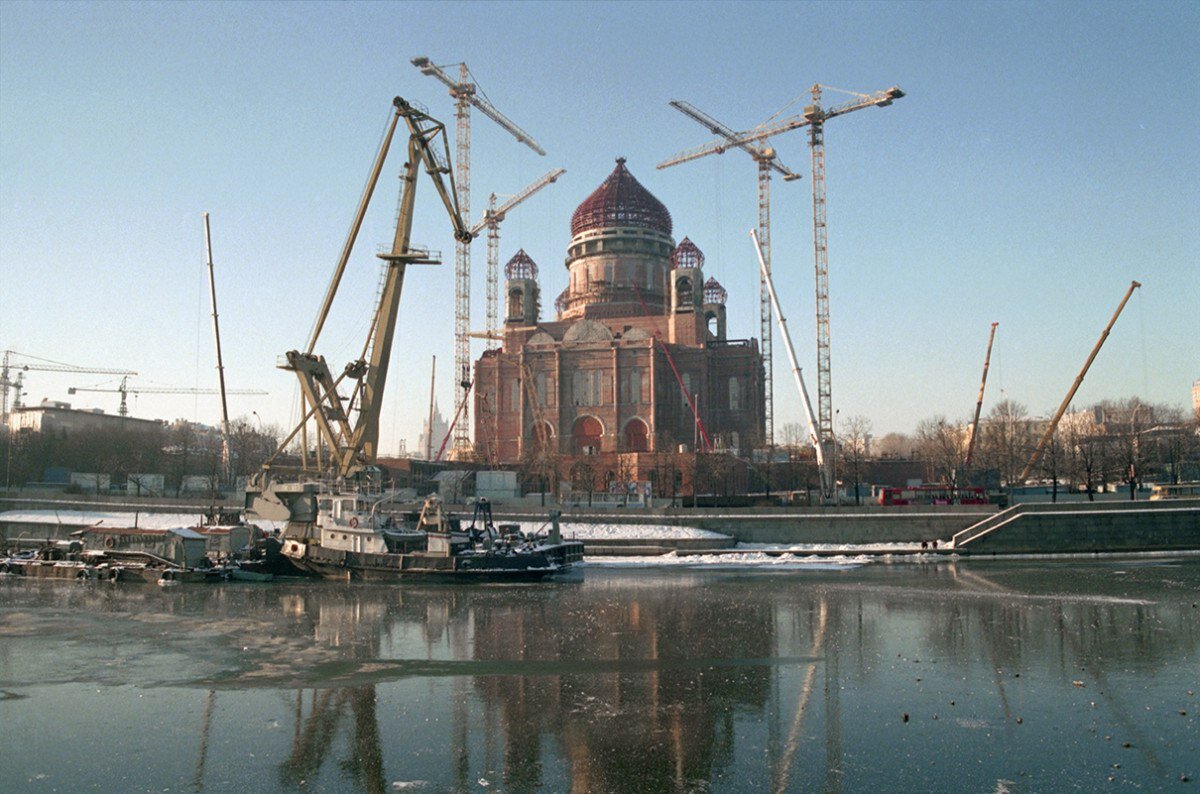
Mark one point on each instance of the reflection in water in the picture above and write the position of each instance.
(1035, 673)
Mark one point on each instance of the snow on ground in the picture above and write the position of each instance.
(785, 562)
(587, 532)
(103, 518)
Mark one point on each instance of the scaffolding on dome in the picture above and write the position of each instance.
(621, 201)
(687, 254)
(521, 266)
(714, 292)
(560, 303)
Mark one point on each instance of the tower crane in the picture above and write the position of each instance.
(124, 389)
(466, 95)
(492, 218)
(813, 117)
(767, 161)
(17, 383)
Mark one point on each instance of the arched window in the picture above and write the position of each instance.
(735, 394)
(637, 436)
(586, 435)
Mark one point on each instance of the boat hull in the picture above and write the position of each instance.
(523, 566)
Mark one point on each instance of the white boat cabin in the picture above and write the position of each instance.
(347, 523)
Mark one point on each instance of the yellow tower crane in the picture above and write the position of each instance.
(466, 95)
(764, 156)
(813, 117)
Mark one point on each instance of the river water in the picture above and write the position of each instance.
(985, 676)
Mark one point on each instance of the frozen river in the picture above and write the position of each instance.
(985, 676)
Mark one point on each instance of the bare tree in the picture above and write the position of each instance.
(940, 446)
(894, 445)
(1007, 440)
(855, 440)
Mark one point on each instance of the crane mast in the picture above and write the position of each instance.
(766, 161)
(354, 445)
(492, 218)
(465, 97)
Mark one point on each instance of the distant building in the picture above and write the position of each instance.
(59, 417)
(1196, 397)
(441, 428)
(637, 349)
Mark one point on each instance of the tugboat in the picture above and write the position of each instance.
(331, 526)
(439, 547)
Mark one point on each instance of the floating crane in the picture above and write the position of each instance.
(492, 218)
(466, 96)
(353, 445)
(987, 358)
(124, 389)
(1037, 453)
(813, 117)
(767, 162)
(17, 384)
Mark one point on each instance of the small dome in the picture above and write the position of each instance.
(588, 331)
(621, 201)
(540, 339)
(520, 266)
(714, 292)
(687, 254)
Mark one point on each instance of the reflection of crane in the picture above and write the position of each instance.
(767, 162)
(354, 445)
(17, 384)
(979, 403)
(124, 389)
(1037, 453)
(465, 96)
(813, 117)
(492, 218)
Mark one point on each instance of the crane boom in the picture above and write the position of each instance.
(464, 90)
(811, 114)
(987, 358)
(729, 134)
(796, 373)
(497, 214)
(1037, 453)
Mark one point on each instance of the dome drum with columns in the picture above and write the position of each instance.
(601, 378)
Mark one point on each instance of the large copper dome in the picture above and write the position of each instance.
(621, 201)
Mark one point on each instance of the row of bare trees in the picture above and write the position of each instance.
(1113, 442)
(177, 451)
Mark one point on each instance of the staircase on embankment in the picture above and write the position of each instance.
(1085, 528)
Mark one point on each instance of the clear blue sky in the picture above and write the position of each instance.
(1045, 156)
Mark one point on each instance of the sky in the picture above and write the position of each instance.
(1043, 158)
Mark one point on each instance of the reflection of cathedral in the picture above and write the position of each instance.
(637, 351)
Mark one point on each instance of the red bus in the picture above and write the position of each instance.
(933, 495)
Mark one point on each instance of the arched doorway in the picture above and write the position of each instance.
(586, 434)
(637, 436)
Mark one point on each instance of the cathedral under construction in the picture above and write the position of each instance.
(636, 361)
